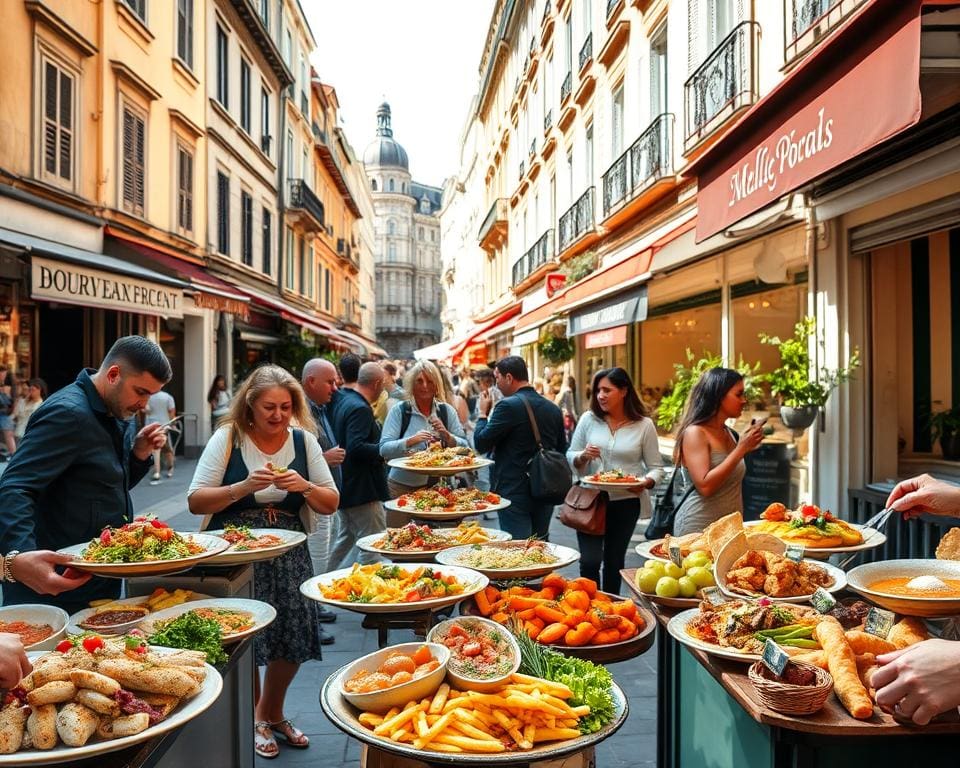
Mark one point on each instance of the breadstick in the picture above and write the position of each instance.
(843, 667)
(907, 632)
(864, 642)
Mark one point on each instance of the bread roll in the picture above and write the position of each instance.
(42, 726)
(76, 724)
(817, 658)
(55, 692)
(95, 682)
(139, 677)
(129, 725)
(102, 705)
(12, 722)
(843, 667)
(908, 631)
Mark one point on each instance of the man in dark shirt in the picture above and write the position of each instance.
(81, 454)
(364, 476)
(509, 435)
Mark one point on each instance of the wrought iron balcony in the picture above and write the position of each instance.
(523, 169)
(566, 87)
(540, 253)
(302, 199)
(319, 134)
(648, 159)
(533, 44)
(494, 227)
(586, 52)
(533, 150)
(548, 121)
(577, 221)
(809, 21)
(611, 4)
(723, 84)
(546, 11)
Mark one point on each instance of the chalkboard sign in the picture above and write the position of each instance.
(767, 479)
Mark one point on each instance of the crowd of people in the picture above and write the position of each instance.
(311, 455)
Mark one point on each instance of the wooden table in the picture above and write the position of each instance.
(708, 715)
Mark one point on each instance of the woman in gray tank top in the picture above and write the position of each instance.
(709, 452)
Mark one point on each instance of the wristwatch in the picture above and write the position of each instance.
(8, 566)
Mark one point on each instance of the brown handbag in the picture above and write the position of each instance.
(585, 510)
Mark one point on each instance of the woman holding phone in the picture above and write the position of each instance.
(710, 453)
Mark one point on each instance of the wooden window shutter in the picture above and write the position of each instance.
(139, 161)
(50, 128)
(693, 35)
(57, 126)
(129, 142)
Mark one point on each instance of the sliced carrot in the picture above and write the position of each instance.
(555, 581)
(492, 593)
(483, 604)
(578, 598)
(522, 603)
(575, 618)
(550, 593)
(605, 637)
(501, 617)
(551, 633)
(531, 629)
(582, 634)
(527, 614)
(626, 608)
(550, 613)
(587, 585)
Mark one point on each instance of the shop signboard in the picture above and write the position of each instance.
(72, 284)
(767, 479)
(609, 337)
(621, 309)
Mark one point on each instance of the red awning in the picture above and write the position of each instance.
(481, 330)
(859, 88)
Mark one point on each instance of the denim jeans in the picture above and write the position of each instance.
(611, 548)
(354, 523)
(526, 517)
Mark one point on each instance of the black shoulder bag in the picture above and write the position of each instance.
(549, 472)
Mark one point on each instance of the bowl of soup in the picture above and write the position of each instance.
(39, 627)
(910, 587)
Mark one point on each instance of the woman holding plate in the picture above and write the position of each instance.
(259, 472)
(615, 433)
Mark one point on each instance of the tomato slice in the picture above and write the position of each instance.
(92, 643)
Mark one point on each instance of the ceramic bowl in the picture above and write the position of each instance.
(38, 614)
(464, 682)
(861, 578)
(398, 695)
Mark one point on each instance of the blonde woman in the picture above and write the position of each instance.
(423, 417)
(237, 482)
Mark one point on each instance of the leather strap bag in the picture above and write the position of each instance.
(549, 472)
(585, 510)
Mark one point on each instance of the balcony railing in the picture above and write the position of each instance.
(533, 149)
(318, 133)
(304, 105)
(523, 169)
(809, 21)
(265, 142)
(302, 197)
(548, 121)
(611, 4)
(539, 254)
(497, 215)
(533, 44)
(586, 52)
(546, 11)
(648, 159)
(577, 221)
(723, 84)
(566, 87)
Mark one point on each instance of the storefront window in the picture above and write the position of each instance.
(774, 312)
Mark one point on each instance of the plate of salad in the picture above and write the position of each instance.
(252, 545)
(144, 547)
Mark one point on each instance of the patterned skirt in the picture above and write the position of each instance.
(294, 635)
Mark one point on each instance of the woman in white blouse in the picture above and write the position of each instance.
(615, 433)
(237, 482)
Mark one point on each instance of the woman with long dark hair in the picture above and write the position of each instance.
(615, 433)
(709, 451)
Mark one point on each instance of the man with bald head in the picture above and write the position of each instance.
(364, 476)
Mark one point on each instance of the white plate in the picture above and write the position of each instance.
(212, 545)
(565, 556)
(838, 576)
(74, 628)
(426, 555)
(871, 538)
(644, 549)
(232, 557)
(478, 463)
(677, 626)
(37, 613)
(426, 514)
(262, 613)
(472, 582)
(610, 486)
(68, 755)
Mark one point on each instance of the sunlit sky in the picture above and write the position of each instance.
(422, 56)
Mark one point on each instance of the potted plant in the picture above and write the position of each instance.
(801, 397)
(555, 347)
(671, 405)
(945, 427)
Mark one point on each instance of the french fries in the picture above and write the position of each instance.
(523, 713)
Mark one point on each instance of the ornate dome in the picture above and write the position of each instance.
(384, 150)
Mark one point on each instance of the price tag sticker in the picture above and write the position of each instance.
(879, 622)
(774, 657)
(822, 600)
(713, 595)
(675, 555)
(794, 552)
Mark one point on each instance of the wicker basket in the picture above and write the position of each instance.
(792, 699)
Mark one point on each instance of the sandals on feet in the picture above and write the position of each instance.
(289, 734)
(264, 743)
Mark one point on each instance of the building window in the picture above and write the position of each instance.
(391, 227)
(267, 241)
(390, 187)
(568, 48)
(588, 157)
(139, 8)
(373, 184)
(57, 125)
(265, 13)
(246, 225)
(302, 259)
(327, 290)
(289, 154)
(288, 48)
(223, 67)
(185, 31)
(245, 95)
(223, 213)
(403, 186)
(289, 270)
(309, 269)
(184, 189)
(424, 206)
(133, 160)
(265, 121)
(392, 252)
(419, 233)
(617, 123)
(658, 73)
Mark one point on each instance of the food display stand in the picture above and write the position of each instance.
(709, 715)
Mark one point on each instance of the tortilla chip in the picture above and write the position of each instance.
(721, 531)
(949, 546)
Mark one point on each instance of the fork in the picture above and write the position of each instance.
(877, 523)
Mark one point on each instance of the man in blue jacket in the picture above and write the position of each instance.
(509, 435)
(78, 460)
(364, 476)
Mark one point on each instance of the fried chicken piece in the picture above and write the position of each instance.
(747, 578)
(779, 583)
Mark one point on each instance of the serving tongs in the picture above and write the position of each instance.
(878, 522)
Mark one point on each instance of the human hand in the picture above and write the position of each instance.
(290, 481)
(751, 438)
(921, 681)
(484, 404)
(423, 436)
(647, 484)
(590, 452)
(36, 570)
(14, 665)
(149, 439)
(258, 480)
(925, 494)
(335, 456)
